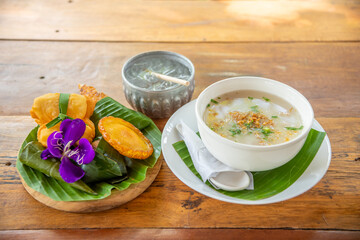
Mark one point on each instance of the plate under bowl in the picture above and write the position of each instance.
(312, 175)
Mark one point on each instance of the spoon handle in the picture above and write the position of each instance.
(170, 79)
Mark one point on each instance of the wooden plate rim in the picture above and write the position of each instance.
(116, 199)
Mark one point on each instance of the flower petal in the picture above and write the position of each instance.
(65, 124)
(72, 130)
(70, 172)
(55, 144)
(46, 154)
(84, 153)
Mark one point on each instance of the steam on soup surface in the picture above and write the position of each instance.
(254, 118)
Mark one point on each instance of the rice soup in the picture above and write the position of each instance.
(253, 117)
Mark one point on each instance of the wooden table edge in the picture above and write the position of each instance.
(179, 233)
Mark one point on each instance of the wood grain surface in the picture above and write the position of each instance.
(325, 73)
(199, 234)
(180, 21)
(313, 46)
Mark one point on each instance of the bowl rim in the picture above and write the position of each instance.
(249, 146)
(143, 54)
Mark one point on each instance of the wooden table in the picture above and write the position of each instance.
(50, 46)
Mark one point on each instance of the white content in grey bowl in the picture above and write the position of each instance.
(139, 72)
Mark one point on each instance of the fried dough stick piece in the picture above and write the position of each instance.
(92, 97)
(46, 107)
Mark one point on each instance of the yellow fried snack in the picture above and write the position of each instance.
(92, 97)
(46, 108)
(89, 133)
(44, 132)
(125, 138)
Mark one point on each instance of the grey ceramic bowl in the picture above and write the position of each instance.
(160, 103)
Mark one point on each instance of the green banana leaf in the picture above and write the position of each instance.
(117, 179)
(55, 189)
(109, 107)
(107, 164)
(30, 156)
(136, 169)
(271, 182)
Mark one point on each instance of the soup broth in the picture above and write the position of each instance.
(252, 117)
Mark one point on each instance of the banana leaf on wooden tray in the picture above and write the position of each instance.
(114, 170)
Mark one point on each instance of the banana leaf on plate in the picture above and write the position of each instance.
(270, 182)
(101, 180)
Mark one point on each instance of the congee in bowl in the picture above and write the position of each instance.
(251, 117)
(253, 123)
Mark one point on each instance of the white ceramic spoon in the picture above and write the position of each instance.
(231, 181)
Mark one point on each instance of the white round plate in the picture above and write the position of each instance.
(306, 181)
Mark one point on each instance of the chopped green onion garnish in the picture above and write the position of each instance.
(251, 98)
(266, 131)
(255, 108)
(235, 131)
(274, 116)
(294, 128)
(266, 99)
(214, 101)
(208, 105)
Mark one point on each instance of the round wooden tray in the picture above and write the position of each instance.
(116, 198)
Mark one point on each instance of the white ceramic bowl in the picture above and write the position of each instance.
(245, 156)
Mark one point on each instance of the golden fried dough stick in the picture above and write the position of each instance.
(46, 108)
(92, 97)
(91, 92)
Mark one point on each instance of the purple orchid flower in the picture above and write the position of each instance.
(60, 145)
